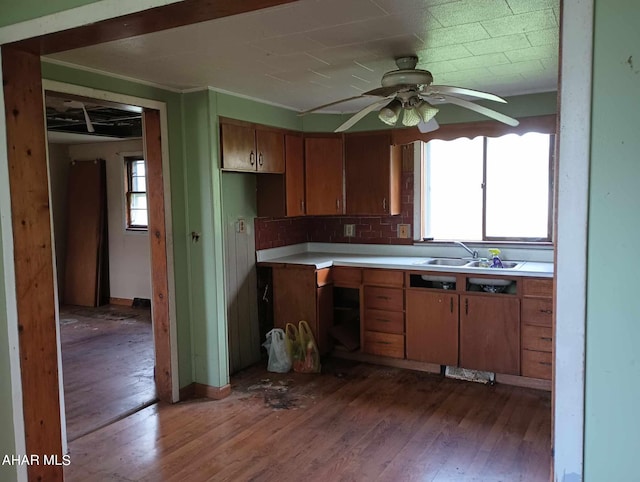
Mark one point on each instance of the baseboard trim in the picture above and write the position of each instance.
(200, 390)
(526, 382)
(120, 301)
(385, 361)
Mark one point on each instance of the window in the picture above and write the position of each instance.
(136, 193)
(488, 188)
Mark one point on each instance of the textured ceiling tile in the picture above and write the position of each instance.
(469, 11)
(335, 12)
(498, 44)
(359, 32)
(439, 68)
(466, 78)
(523, 68)
(550, 63)
(523, 6)
(531, 53)
(454, 35)
(289, 44)
(402, 6)
(480, 61)
(544, 37)
(522, 23)
(449, 52)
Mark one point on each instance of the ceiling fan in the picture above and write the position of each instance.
(407, 92)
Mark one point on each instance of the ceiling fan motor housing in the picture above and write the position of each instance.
(407, 77)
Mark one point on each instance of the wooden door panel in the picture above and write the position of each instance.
(270, 151)
(238, 147)
(294, 175)
(294, 299)
(432, 327)
(324, 175)
(490, 334)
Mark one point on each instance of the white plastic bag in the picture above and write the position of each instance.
(279, 356)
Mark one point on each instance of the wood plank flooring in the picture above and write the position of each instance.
(107, 364)
(354, 422)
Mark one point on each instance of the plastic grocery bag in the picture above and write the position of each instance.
(279, 355)
(304, 351)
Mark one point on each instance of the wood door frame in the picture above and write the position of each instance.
(162, 270)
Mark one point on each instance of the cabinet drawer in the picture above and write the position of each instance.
(384, 321)
(537, 287)
(389, 299)
(324, 277)
(347, 276)
(536, 364)
(537, 338)
(383, 277)
(537, 311)
(384, 344)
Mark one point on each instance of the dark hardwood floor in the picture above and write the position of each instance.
(354, 422)
(107, 364)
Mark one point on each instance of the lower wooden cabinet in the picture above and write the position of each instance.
(537, 328)
(490, 333)
(304, 293)
(384, 344)
(432, 327)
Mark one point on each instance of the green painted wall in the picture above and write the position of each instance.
(7, 442)
(518, 106)
(208, 317)
(18, 11)
(178, 189)
(612, 422)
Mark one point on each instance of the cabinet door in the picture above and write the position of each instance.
(432, 327)
(372, 174)
(238, 147)
(294, 174)
(270, 151)
(490, 334)
(324, 175)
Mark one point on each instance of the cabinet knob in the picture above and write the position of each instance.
(338, 204)
(252, 158)
(260, 159)
(547, 312)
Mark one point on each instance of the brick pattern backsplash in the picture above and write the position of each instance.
(276, 232)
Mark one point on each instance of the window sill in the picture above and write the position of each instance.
(482, 244)
(137, 230)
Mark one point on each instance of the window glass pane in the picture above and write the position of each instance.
(137, 168)
(454, 189)
(518, 186)
(138, 201)
(138, 184)
(139, 217)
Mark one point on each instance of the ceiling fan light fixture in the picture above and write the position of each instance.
(411, 117)
(426, 111)
(390, 113)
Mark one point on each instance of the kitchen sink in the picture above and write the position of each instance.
(505, 264)
(446, 262)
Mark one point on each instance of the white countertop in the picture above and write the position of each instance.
(324, 260)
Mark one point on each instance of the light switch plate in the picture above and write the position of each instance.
(349, 230)
(404, 231)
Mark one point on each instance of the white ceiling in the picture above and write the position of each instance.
(313, 52)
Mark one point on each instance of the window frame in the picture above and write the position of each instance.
(488, 129)
(129, 159)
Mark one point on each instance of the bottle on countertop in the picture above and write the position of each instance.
(495, 255)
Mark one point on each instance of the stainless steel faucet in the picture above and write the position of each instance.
(472, 252)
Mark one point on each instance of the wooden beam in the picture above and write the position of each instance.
(147, 21)
(157, 238)
(33, 256)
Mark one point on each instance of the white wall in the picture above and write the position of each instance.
(129, 258)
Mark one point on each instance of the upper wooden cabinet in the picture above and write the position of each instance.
(248, 147)
(372, 174)
(324, 175)
(294, 175)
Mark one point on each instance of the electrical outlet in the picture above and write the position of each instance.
(241, 226)
(349, 230)
(404, 230)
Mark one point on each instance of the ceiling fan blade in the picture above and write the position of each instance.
(481, 110)
(87, 119)
(360, 114)
(449, 89)
(384, 91)
(320, 107)
(430, 126)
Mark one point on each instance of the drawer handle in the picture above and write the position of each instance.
(546, 338)
(380, 297)
(548, 312)
(383, 343)
(383, 320)
(546, 364)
